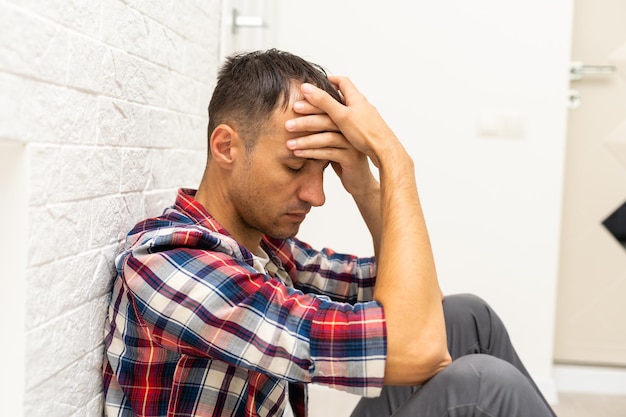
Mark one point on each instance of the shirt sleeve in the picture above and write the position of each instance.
(342, 277)
(209, 304)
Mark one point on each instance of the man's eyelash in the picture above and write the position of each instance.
(301, 167)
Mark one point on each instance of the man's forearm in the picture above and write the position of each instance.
(407, 284)
(369, 204)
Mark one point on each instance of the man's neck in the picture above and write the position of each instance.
(245, 236)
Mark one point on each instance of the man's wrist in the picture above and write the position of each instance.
(367, 190)
(394, 158)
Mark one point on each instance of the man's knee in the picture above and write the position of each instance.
(497, 371)
(470, 383)
(469, 312)
(464, 303)
(484, 372)
(494, 385)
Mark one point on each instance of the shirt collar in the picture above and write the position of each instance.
(186, 203)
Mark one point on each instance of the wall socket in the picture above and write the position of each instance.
(500, 124)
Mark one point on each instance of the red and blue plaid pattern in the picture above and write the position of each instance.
(194, 330)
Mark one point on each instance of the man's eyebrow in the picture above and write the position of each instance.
(292, 157)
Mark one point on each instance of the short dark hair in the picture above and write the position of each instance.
(251, 85)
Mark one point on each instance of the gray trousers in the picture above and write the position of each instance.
(485, 379)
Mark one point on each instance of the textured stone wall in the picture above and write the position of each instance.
(109, 99)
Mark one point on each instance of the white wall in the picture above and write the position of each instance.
(103, 110)
(13, 223)
(477, 93)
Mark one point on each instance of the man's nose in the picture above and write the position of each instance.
(312, 189)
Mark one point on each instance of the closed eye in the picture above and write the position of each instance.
(295, 168)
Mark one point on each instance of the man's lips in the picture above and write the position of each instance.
(297, 215)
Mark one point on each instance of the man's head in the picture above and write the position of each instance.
(253, 184)
(250, 86)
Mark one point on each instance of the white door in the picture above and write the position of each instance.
(477, 93)
(592, 283)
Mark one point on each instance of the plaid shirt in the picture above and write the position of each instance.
(194, 330)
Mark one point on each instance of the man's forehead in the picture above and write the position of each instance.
(284, 111)
(275, 128)
(296, 93)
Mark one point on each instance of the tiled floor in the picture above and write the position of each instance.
(588, 405)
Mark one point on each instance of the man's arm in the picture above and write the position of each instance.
(407, 284)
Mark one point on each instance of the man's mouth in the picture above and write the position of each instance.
(297, 215)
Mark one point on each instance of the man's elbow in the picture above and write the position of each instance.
(415, 368)
(438, 362)
(432, 363)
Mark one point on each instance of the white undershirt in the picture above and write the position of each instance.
(260, 262)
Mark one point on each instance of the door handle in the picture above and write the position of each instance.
(578, 70)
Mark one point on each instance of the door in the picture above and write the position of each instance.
(478, 101)
(592, 281)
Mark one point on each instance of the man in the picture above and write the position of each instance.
(218, 310)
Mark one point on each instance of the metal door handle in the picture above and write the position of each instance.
(578, 70)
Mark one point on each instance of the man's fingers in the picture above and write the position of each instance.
(322, 140)
(321, 99)
(304, 107)
(311, 123)
(345, 86)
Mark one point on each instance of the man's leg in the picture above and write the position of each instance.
(472, 328)
(472, 386)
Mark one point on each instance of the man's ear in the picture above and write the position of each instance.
(224, 144)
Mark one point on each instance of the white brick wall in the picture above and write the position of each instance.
(109, 99)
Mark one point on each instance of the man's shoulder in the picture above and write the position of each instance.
(162, 246)
(175, 230)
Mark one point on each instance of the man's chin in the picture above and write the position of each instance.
(284, 234)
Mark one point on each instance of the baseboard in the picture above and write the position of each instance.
(548, 388)
(590, 379)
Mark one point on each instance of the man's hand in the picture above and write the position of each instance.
(324, 141)
(357, 119)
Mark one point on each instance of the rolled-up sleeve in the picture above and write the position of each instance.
(348, 347)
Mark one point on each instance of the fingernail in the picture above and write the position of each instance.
(291, 143)
(290, 124)
(298, 105)
(307, 88)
